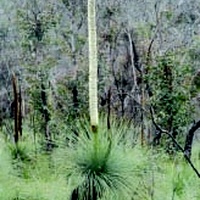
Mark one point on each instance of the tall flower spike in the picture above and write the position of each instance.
(93, 101)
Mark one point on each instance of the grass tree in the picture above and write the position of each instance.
(103, 172)
(94, 158)
(93, 101)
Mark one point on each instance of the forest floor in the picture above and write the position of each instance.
(30, 173)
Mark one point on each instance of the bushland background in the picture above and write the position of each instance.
(148, 83)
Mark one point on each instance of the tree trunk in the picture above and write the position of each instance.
(17, 110)
(189, 139)
(47, 117)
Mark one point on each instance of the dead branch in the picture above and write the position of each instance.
(160, 131)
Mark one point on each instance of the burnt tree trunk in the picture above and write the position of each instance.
(20, 111)
(189, 139)
(17, 105)
(75, 101)
(87, 191)
(109, 108)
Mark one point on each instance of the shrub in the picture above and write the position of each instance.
(99, 164)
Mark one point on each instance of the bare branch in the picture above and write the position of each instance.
(158, 128)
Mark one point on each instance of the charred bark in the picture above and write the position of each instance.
(109, 108)
(75, 100)
(20, 112)
(136, 58)
(87, 191)
(17, 108)
(189, 139)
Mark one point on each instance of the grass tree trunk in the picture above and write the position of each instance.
(93, 100)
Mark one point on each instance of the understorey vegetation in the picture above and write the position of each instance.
(99, 100)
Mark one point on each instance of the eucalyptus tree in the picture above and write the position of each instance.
(35, 20)
(9, 63)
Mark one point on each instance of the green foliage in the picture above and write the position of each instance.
(22, 156)
(26, 175)
(126, 171)
(40, 36)
(170, 84)
(35, 23)
(39, 93)
(69, 106)
(97, 165)
(195, 85)
(19, 152)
